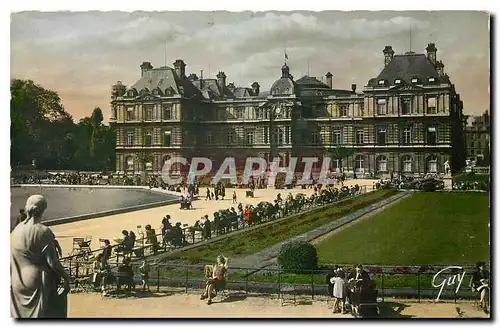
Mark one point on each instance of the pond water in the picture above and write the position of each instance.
(66, 202)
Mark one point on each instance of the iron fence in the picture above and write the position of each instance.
(414, 282)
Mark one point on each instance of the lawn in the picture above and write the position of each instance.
(426, 228)
(261, 238)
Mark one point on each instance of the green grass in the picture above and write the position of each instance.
(251, 242)
(427, 228)
(471, 178)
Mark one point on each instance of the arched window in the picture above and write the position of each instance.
(382, 164)
(432, 164)
(129, 163)
(406, 163)
(149, 166)
(359, 163)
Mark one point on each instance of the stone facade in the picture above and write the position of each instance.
(404, 121)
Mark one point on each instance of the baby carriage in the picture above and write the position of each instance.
(362, 299)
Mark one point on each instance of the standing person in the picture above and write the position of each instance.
(339, 291)
(207, 228)
(35, 268)
(144, 271)
(234, 197)
(106, 252)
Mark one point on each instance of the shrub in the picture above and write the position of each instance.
(296, 257)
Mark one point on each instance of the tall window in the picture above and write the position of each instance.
(287, 135)
(382, 164)
(406, 137)
(168, 112)
(231, 137)
(130, 114)
(278, 136)
(406, 106)
(343, 110)
(431, 135)
(249, 137)
(129, 163)
(239, 113)
(266, 135)
(148, 139)
(208, 139)
(167, 139)
(260, 113)
(130, 138)
(336, 165)
(431, 105)
(359, 163)
(432, 164)
(361, 109)
(381, 136)
(337, 137)
(381, 107)
(315, 139)
(406, 163)
(148, 112)
(114, 113)
(360, 136)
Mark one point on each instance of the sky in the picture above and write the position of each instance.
(80, 55)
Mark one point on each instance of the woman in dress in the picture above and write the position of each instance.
(216, 278)
(35, 267)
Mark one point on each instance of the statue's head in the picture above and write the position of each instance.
(35, 206)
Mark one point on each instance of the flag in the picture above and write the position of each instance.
(286, 56)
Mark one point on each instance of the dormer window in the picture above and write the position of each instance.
(381, 82)
(415, 80)
(431, 79)
(397, 81)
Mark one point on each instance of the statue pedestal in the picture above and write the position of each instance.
(448, 182)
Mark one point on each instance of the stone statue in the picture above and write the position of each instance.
(446, 168)
(35, 268)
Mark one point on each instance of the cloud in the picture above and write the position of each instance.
(89, 51)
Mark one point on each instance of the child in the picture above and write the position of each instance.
(339, 291)
(144, 271)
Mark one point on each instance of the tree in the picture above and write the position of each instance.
(96, 120)
(339, 153)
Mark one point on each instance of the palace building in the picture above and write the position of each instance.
(408, 120)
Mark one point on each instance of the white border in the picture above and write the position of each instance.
(208, 5)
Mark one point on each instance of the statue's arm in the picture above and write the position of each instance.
(52, 259)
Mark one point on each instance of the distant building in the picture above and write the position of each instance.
(477, 136)
(407, 120)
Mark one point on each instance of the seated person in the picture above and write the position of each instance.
(125, 276)
(216, 278)
(480, 283)
(125, 241)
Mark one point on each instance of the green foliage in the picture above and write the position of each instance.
(341, 152)
(41, 130)
(297, 257)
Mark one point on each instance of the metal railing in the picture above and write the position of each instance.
(414, 282)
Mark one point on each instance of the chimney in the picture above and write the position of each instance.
(255, 88)
(193, 77)
(221, 81)
(353, 87)
(329, 79)
(180, 68)
(146, 66)
(231, 86)
(388, 55)
(440, 68)
(431, 52)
